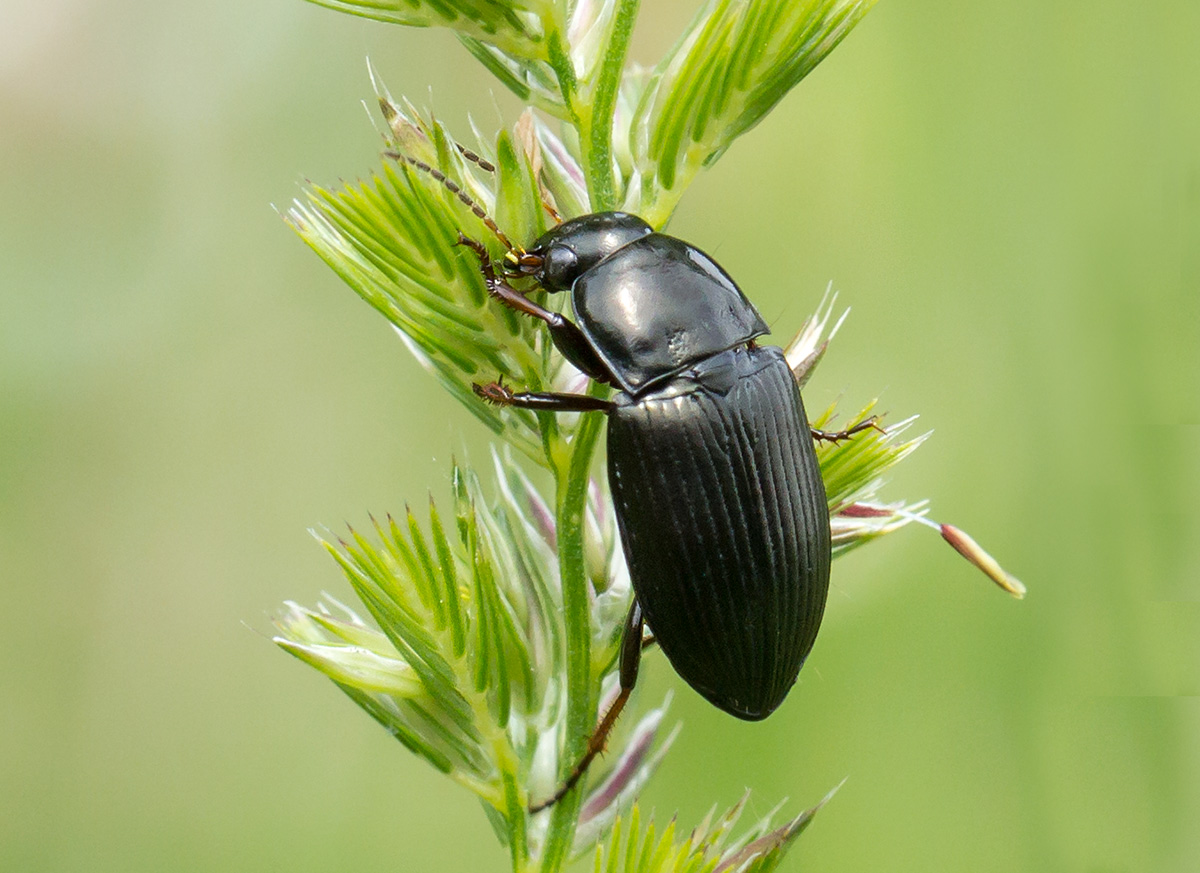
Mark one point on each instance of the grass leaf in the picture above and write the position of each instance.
(732, 65)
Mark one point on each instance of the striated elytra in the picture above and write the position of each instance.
(724, 523)
(714, 477)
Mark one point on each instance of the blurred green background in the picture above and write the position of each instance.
(1007, 194)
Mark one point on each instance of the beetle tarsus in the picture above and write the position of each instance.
(563, 332)
(501, 290)
(871, 423)
(496, 393)
(596, 743)
(631, 657)
(485, 260)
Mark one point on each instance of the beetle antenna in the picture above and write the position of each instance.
(483, 164)
(456, 189)
(488, 167)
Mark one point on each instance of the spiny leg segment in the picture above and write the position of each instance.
(500, 394)
(631, 656)
(567, 336)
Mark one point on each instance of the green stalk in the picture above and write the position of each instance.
(515, 813)
(581, 707)
(596, 139)
(592, 118)
(564, 71)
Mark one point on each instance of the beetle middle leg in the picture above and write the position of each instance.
(839, 435)
(567, 336)
(501, 395)
(631, 657)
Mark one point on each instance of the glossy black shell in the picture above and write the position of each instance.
(724, 522)
(658, 305)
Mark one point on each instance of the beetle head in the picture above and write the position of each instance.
(568, 251)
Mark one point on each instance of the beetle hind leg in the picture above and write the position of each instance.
(631, 656)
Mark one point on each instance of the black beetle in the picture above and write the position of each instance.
(718, 494)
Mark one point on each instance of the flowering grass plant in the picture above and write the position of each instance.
(488, 632)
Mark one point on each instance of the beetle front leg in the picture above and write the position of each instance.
(567, 336)
(839, 435)
(631, 658)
